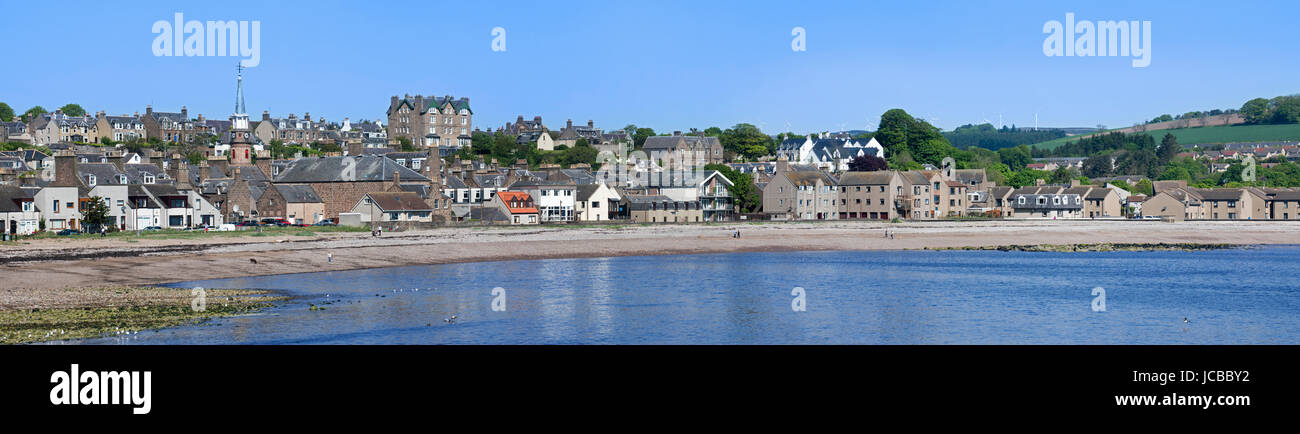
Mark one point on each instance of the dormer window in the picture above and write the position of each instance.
(149, 178)
(90, 180)
(121, 179)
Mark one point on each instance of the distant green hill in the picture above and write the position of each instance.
(1211, 135)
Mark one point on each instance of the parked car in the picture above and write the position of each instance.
(67, 232)
(326, 223)
(248, 223)
(205, 228)
(153, 228)
(226, 228)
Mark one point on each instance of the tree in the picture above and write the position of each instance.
(33, 112)
(96, 214)
(1169, 149)
(1144, 187)
(73, 110)
(405, 144)
(747, 140)
(868, 163)
(1017, 157)
(1256, 111)
(6, 113)
(1286, 109)
(638, 138)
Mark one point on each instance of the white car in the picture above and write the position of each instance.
(226, 228)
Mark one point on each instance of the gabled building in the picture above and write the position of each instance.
(697, 150)
(122, 128)
(379, 207)
(800, 195)
(169, 126)
(594, 202)
(430, 121)
(513, 208)
(870, 195)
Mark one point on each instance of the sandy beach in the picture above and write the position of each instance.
(93, 262)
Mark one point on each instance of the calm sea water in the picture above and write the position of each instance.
(1247, 296)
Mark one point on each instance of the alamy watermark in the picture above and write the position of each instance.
(195, 38)
(1098, 299)
(1101, 38)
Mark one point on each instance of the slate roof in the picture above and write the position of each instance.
(664, 143)
(808, 178)
(331, 169)
(399, 201)
(298, 193)
(879, 177)
(1031, 202)
(10, 197)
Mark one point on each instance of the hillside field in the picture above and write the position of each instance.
(1211, 135)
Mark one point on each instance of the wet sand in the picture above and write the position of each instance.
(59, 263)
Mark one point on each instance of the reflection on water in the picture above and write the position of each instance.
(877, 297)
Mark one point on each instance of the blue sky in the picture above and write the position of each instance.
(668, 65)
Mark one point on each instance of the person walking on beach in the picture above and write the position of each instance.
(329, 257)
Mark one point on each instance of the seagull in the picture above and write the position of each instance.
(1185, 321)
(451, 320)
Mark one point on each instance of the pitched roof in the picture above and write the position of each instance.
(399, 201)
(878, 177)
(513, 198)
(298, 193)
(345, 169)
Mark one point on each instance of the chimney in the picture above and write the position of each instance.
(397, 181)
(538, 119)
(65, 169)
(220, 164)
(433, 170)
(392, 101)
(306, 116)
(591, 123)
(1074, 183)
(568, 125)
(203, 170)
(263, 161)
(115, 156)
(266, 115)
(1039, 182)
(419, 103)
(200, 117)
(148, 110)
(182, 175)
(185, 113)
(677, 133)
(782, 164)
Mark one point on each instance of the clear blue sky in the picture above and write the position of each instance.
(665, 64)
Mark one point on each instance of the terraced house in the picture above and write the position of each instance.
(870, 195)
(119, 128)
(430, 121)
(169, 126)
(291, 129)
(691, 149)
(58, 127)
(800, 195)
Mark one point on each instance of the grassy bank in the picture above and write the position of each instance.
(34, 316)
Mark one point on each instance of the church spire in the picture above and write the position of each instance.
(239, 90)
